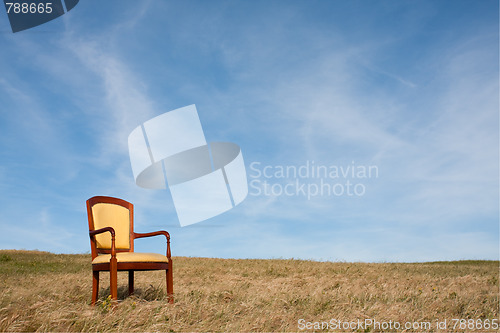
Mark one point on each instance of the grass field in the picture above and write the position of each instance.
(47, 292)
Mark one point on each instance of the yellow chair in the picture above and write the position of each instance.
(111, 231)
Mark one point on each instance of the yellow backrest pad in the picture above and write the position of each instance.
(110, 215)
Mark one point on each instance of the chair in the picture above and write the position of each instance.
(111, 231)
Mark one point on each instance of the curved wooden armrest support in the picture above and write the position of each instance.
(149, 234)
(100, 231)
(92, 233)
(156, 233)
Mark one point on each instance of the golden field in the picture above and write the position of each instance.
(42, 291)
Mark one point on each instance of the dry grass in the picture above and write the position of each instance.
(47, 292)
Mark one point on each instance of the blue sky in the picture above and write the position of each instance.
(409, 87)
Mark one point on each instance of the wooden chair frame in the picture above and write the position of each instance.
(114, 266)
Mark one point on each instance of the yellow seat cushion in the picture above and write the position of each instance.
(130, 257)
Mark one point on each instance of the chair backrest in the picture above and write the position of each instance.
(111, 212)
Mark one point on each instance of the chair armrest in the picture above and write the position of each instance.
(100, 231)
(149, 234)
(92, 233)
(156, 233)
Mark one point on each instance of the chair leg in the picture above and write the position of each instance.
(95, 286)
(113, 279)
(170, 283)
(130, 282)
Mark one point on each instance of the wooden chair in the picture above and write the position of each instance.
(111, 231)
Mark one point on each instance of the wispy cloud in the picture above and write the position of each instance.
(438, 158)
